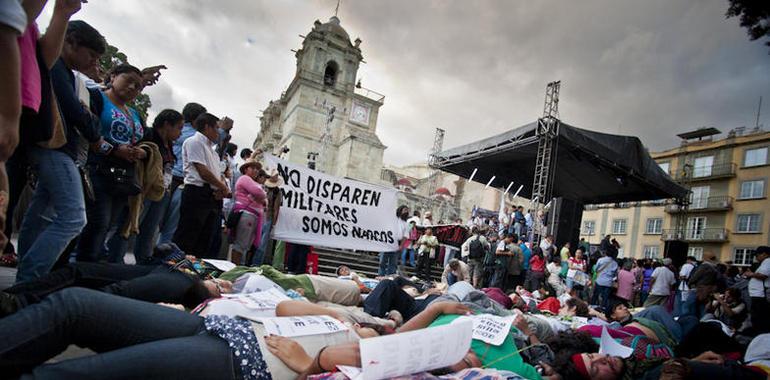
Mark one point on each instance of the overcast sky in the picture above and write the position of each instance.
(649, 68)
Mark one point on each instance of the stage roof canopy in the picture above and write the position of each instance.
(591, 167)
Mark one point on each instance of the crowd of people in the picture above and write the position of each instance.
(99, 179)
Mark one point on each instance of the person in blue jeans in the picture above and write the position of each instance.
(170, 218)
(389, 260)
(165, 129)
(57, 212)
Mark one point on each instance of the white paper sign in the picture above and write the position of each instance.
(610, 347)
(489, 328)
(253, 282)
(302, 326)
(264, 300)
(323, 210)
(415, 351)
(353, 373)
(222, 265)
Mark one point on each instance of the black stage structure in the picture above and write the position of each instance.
(589, 168)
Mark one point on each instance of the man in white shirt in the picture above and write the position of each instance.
(683, 305)
(388, 260)
(204, 189)
(759, 282)
(660, 284)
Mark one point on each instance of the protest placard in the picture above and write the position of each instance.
(415, 351)
(264, 300)
(302, 325)
(323, 210)
(491, 329)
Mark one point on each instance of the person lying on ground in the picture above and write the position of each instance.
(151, 283)
(366, 285)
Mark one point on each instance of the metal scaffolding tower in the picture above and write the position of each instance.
(547, 133)
(438, 145)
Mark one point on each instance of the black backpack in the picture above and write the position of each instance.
(476, 249)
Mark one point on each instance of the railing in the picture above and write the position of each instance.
(719, 203)
(371, 94)
(697, 235)
(700, 173)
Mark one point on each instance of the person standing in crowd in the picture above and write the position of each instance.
(526, 254)
(554, 268)
(264, 252)
(165, 129)
(13, 22)
(245, 155)
(112, 175)
(638, 271)
(577, 263)
(536, 270)
(546, 243)
(388, 260)
(606, 269)
(607, 247)
(428, 220)
(43, 235)
(203, 189)
(514, 264)
(626, 282)
(407, 246)
(168, 225)
(519, 222)
(250, 201)
(661, 282)
(474, 248)
(505, 222)
(455, 271)
(684, 301)
(500, 264)
(428, 245)
(759, 285)
(646, 279)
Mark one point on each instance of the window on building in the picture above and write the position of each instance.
(651, 251)
(589, 227)
(749, 222)
(743, 256)
(752, 189)
(755, 157)
(665, 166)
(654, 226)
(699, 197)
(696, 252)
(695, 227)
(619, 226)
(330, 74)
(702, 166)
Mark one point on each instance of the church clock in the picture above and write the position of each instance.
(360, 113)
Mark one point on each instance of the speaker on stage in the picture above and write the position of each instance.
(564, 217)
(676, 250)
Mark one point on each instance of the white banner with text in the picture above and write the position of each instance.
(323, 210)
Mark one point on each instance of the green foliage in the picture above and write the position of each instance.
(754, 16)
(113, 57)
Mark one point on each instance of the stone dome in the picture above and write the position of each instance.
(333, 27)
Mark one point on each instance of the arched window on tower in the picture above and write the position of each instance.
(330, 74)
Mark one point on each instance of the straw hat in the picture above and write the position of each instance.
(249, 163)
(273, 179)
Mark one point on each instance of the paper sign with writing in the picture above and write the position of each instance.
(264, 300)
(415, 351)
(491, 329)
(303, 325)
(323, 210)
(611, 347)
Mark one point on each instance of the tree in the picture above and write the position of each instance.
(112, 57)
(754, 16)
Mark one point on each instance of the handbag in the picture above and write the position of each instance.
(120, 177)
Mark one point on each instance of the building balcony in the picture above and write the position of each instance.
(710, 204)
(703, 235)
(716, 171)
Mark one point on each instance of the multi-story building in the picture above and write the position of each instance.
(729, 210)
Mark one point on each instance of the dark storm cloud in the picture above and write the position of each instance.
(644, 68)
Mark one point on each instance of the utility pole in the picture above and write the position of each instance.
(545, 166)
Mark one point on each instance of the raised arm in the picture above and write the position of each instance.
(295, 308)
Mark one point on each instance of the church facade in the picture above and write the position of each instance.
(324, 117)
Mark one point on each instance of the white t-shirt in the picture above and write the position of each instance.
(685, 271)
(664, 278)
(757, 287)
(197, 149)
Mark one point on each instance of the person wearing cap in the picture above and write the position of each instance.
(660, 284)
(264, 251)
(250, 202)
(759, 283)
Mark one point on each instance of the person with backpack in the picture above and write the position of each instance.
(474, 249)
